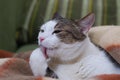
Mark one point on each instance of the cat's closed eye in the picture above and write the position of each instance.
(57, 31)
(41, 30)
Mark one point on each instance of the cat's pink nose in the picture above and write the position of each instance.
(41, 39)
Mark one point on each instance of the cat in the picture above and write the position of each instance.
(67, 50)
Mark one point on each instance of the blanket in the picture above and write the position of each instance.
(16, 67)
(108, 37)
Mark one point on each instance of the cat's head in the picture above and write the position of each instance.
(61, 33)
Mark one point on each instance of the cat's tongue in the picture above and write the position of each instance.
(44, 50)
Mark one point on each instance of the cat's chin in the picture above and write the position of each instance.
(51, 52)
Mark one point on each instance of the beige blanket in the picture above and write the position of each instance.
(108, 37)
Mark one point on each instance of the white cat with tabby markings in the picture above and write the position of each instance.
(68, 51)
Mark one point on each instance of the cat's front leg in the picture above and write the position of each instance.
(38, 63)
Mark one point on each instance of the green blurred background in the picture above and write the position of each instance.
(20, 19)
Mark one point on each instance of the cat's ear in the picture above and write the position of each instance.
(57, 16)
(86, 22)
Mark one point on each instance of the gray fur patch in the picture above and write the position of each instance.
(68, 31)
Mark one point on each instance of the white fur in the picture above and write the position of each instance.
(38, 63)
(91, 61)
(51, 41)
(48, 28)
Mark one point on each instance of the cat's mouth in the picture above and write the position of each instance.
(44, 50)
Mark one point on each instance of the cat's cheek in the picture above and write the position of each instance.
(52, 42)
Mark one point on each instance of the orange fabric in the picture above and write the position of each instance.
(109, 77)
(5, 54)
(17, 69)
(39, 78)
(112, 47)
(23, 55)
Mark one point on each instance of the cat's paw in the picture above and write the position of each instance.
(38, 63)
